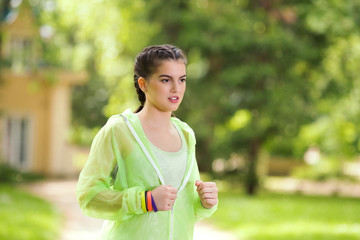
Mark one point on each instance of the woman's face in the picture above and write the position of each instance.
(165, 88)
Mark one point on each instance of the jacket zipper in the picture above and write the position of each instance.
(186, 179)
(171, 223)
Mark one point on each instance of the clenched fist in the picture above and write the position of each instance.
(164, 197)
(208, 193)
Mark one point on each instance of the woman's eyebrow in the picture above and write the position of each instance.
(164, 75)
(168, 76)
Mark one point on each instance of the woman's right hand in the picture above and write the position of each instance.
(164, 197)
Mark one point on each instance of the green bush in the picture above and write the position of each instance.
(10, 174)
(82, 136)
(323, 170)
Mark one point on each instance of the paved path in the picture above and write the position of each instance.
(79, 227)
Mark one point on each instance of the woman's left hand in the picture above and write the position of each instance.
(208, 193)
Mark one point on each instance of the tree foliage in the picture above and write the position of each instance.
(103, 38)
(278, 76)
(335, 84)
(251, 91)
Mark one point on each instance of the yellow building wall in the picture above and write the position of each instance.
(48, 106)
(26, 92)
(19, 96)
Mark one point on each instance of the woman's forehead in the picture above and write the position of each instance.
(171, 68)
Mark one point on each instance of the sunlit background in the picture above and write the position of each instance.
(273, 95)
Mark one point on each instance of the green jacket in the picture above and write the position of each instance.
(118, 199)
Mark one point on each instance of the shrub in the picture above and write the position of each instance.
(10, 174)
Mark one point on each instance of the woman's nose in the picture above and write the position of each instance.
(174, 87)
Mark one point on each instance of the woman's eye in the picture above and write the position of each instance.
(183, 80)
(165, 80)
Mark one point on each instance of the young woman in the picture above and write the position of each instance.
(141, 174)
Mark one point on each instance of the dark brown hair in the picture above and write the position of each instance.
(149, 59)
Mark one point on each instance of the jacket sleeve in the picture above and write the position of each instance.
(200, 211)
(94, 192)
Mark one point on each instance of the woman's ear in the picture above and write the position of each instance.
(142, 83)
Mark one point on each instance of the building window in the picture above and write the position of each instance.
(21, 54)
(16, 141)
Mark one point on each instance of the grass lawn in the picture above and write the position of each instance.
(25, 217)
(288, 217)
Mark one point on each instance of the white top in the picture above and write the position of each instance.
(172, 164)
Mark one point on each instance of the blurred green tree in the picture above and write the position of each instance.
(101, 37)
(259, 71)
(336, 83)
(248, 87)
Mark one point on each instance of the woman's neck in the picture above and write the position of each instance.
(155, 119)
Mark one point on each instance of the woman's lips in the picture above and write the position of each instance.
(174, 99)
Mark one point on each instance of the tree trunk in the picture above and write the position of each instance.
(251, 178)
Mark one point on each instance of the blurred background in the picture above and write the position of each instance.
(273, 95)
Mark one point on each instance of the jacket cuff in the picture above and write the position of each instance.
(201, 212)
